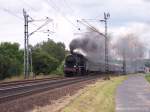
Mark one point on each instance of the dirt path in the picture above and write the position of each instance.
(133, 95)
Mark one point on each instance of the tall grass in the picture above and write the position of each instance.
(147, 76)
(98, 98)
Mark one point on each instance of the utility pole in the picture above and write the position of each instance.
(105, 20)
(124, 63)
(28, 72)
(28, 66)
(31, 68)
(149, 54)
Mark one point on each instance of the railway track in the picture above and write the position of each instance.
(12, 83)
(13, 91)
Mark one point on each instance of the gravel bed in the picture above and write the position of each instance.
(42, 99)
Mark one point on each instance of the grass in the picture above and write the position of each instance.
(99, 97)
(147, 76)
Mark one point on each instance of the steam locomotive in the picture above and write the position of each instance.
(77, 64)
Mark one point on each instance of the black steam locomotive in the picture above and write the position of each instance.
(75, 64)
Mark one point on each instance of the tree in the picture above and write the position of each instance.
(11, 59)
(47, 56)
(43, 62)
(56, 50)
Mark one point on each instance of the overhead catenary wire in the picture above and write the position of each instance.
(27, 4)
(32, 9)
(68, 6)
(85, 23)
(12, 13)
(39, 27)
(54, 6)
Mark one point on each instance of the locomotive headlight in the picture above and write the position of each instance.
(74, 66)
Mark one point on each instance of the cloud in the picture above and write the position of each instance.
(146, 0)
(125, 15)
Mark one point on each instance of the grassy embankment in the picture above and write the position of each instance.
(147, 76)
(99, 97)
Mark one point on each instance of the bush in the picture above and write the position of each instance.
(47, 56)
(10, 60)
(60, 69)
(44, 63)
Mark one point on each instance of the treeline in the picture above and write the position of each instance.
(47, 56)
(11, 60)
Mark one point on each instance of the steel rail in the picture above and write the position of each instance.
(12, 94)
(3, 84)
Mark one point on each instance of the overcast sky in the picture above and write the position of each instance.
(126, 16)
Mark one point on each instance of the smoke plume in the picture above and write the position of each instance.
(130, 49)
(92, 44)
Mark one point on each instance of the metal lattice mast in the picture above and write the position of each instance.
(106, 46)
(25, 43)
(106, 17)
(124, 63)
(28, 66)
(28, 71)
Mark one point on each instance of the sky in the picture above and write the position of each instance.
(125, 16)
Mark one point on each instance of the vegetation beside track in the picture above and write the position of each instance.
(47, 56)
(99, 97)
(59, 71)
(147, 76)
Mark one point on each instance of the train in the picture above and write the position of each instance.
(78, 64)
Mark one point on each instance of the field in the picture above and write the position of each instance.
(99, 97)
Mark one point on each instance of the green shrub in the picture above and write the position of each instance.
(44, 63)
